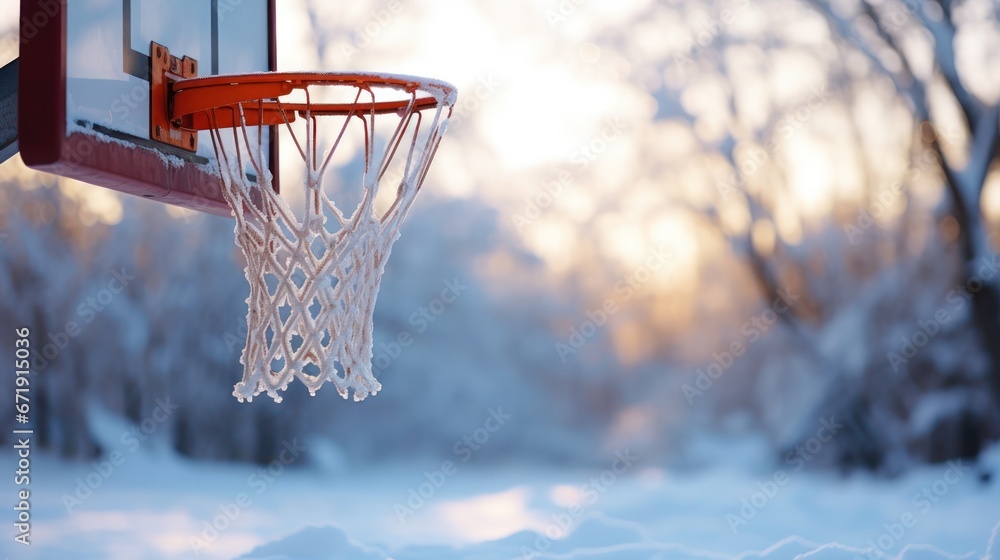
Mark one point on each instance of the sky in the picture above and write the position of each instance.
(548, 88)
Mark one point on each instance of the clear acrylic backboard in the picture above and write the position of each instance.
(84, 89)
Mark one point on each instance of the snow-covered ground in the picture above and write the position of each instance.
(160, 506)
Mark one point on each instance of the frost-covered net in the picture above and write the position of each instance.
(314, 276)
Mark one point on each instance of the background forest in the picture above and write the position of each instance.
(790, 209)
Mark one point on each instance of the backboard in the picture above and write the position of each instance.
(86, 70)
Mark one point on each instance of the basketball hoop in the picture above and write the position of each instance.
(313, 287)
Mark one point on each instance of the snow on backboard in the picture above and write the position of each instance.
(84, 88)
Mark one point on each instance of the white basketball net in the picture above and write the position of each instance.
(313, 288)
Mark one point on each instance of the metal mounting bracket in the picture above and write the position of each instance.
(165, 69)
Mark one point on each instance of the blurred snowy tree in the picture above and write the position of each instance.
(788, 111)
